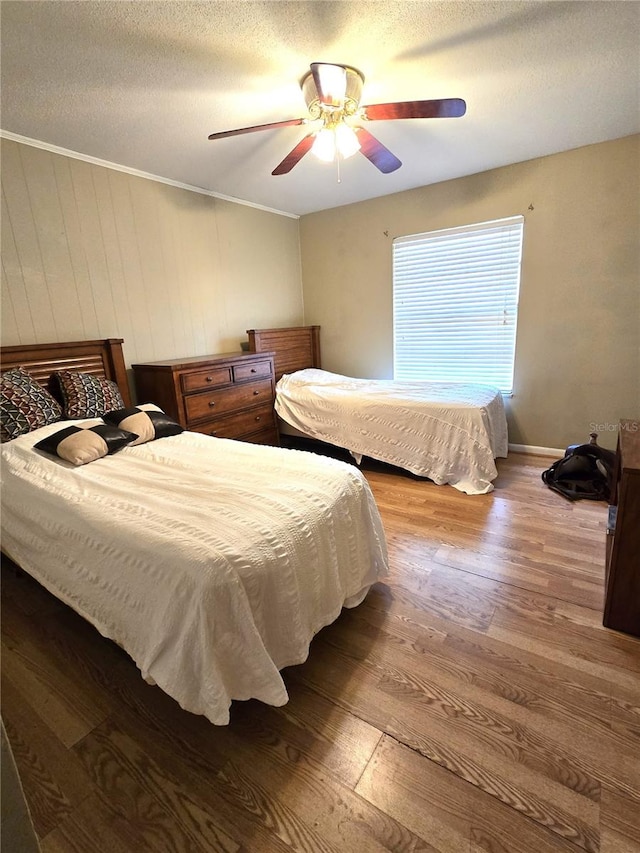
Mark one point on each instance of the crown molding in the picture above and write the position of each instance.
(76, 155)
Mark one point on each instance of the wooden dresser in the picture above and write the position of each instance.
(622, 579)
(228, 396)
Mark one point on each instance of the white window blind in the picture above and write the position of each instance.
(455, 303)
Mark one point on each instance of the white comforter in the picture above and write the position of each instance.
(447, 431)
(211, 562)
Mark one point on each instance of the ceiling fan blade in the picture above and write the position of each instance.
(288, 123)
(295, 155)
(375, 151)
(331, 83)
(443, 108)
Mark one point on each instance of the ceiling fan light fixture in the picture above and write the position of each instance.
(347, 142)
(324, 146)
(332, 141)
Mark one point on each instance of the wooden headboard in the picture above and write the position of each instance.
(295, 348)
(101, 358)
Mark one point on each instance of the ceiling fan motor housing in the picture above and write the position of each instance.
(353, 93)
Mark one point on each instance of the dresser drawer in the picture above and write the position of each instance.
(201, 407)
(254, 370)
(267, 436)
(244, 423)
(202, 379)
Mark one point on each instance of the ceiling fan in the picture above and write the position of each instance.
(332, 94)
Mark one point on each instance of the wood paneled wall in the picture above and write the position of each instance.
(91, 252)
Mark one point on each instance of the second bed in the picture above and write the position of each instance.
(447, 431)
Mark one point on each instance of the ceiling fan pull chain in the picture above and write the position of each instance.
(338, 163)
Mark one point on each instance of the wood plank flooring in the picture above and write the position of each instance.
(472, 704)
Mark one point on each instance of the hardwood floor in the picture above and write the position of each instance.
(473, 702)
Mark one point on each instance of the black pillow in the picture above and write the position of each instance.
(148, 424)
(80, 446)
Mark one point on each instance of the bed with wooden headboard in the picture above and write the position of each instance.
(212, 562)
(448, 432)
(100, 358)
(295, 347)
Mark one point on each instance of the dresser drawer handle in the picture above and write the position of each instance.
(213, 432)
(253, 370)
(211, 404)
(209, 378)
(255, 393)
(257, 417)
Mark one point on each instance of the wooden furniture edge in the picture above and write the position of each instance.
(197, 362)
(621, 611)
(262, 340)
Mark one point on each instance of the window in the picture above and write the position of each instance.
(455, 303)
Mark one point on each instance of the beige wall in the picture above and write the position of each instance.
(578, 341)
(90, 252)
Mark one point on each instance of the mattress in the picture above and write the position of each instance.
(211, 562)
(449, 432)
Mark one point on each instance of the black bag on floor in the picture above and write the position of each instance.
(584, 472)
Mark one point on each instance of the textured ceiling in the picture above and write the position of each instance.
(142, 84)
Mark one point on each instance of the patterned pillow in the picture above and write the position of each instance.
(24, 404)
(87, 396)
(80, 446)
(148, 423)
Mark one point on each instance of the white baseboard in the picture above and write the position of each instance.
(532, 450)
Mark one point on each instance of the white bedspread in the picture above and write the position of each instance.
(211, 562)
(447, 431)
